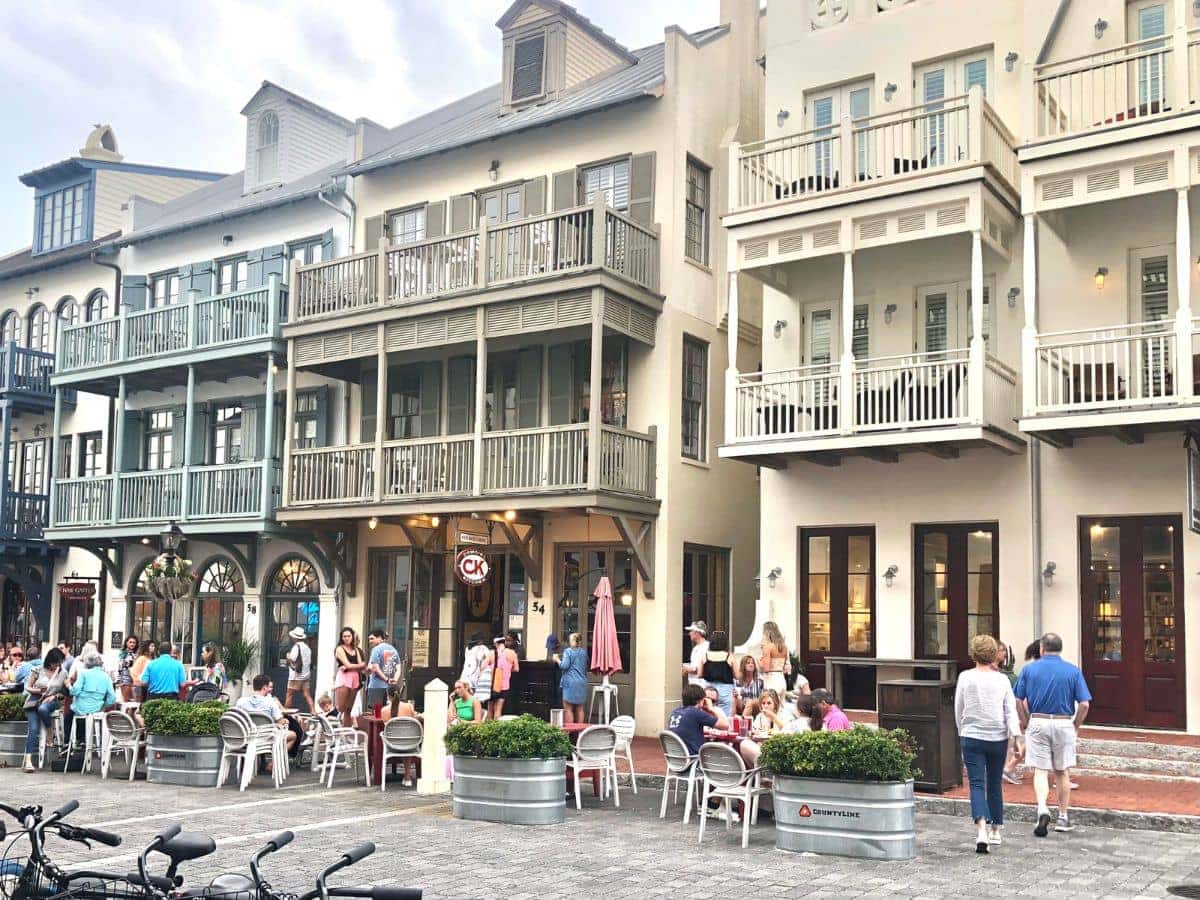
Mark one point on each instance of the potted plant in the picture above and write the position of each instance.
(843, 792)
(183, 742)
(511, 771)
(238, 656)
(169, 577)
(13, 726)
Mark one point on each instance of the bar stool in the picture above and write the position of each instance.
(92, 741)
(601, 695)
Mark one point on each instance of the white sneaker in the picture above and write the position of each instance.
(994, 835)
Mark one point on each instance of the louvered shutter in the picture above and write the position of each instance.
(323, 413)
(462, 213)
(435, 219)
(131, 441)
(460, 395)
(861, 340)
(529, 382)
(201, 278)
(135, 292)
(431, 398)
(562, 384)
(178, 423)
(200, 436)
(528, 58)
(975, 73)
(535, 196)
(565, 187)
(372, 233)
(253, 428)
(366, 426)
(641, 188)
(327, 245)
(265, 262)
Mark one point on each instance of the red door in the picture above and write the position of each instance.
(1131, 608)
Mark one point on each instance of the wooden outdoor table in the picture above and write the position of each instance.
(374, 730)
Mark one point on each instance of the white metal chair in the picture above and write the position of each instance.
(344, 745)
(681, 769)
(724, 776)
(596, 750)
(121, 733)
(241, 743)
(92, 740)
(625, 726)
(268, 728)
(401, 739)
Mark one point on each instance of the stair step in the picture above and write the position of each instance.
(1143, 749)
(1146, 764)
(1083, 771)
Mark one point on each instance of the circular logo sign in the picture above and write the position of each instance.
(471, 567)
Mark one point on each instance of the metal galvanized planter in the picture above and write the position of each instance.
(512, 791)
(12, 743)
(187, 761)
(869, 820)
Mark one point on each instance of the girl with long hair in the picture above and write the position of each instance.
(773, 659)
(349, 665)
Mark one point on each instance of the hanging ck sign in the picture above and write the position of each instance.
(471, 567)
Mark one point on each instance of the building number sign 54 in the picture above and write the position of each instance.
(471, 567)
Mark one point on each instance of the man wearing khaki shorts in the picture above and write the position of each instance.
(1053, 699)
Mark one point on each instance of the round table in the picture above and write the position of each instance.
(374, 730)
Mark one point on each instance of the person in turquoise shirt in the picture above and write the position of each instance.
(91, 688)
(163, 676)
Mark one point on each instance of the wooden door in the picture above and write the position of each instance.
(957, 595)
(1132, 611)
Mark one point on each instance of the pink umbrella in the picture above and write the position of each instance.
(606, 653)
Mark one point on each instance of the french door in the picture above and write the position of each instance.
(824, 112)
(1149, 19)
(942, 138)
(1132, 611)
(837, 612)
(958, 589)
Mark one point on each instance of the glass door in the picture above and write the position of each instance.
(958, 587)
(937, 328)
(1149, 20)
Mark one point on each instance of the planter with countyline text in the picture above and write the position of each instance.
(864, 819)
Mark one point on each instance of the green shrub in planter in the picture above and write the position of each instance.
(857, 754)
(526, 737)
(12, 707)
(179, 719)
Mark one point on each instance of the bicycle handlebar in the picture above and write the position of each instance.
(66, 809)
(280, 841)
(356, 854)
(103, 837)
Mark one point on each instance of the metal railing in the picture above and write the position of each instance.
(493, 255)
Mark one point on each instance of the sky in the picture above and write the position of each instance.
(171, 77)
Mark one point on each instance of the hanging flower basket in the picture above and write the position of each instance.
(169, 577)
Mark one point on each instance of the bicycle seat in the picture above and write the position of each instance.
(187, 845)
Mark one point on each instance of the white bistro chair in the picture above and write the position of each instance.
(243, 742)
(724, 775)
(596, 749)
(121, 734)
(625, 726)
(681, 769)
(268, 728)
(401, 739)
(343, 746)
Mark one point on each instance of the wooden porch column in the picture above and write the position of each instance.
(978, 347)
(731, 327)
(54, 461)
(596, 373)
(189, 424)
(118, 449)
(289, 423)
(480, 397)
(1029, 332)
(1183, 315)
(268, 435)
(381, 394)
(846, 400)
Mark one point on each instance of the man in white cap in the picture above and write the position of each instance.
(698, 632)
(299, 666)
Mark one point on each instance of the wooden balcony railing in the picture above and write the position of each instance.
(891, 146)
(26, 371)
(186, 493)
(163, 333)
(24, 515)
(897, 393)
(528, 461)
(495, 255)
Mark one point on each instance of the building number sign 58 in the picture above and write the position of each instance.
(471, 567)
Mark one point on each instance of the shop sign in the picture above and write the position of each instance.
(471, 567)
(77, 590)
(468, 537)
(420, 648)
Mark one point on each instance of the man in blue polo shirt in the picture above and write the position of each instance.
(1053, 700)
(163, 675)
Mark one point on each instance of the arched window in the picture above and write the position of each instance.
(150, 617)
(98, 306)
(67, 311)
(292, 597)
(219, 591)
(10, 327)
(268, 147)
(39, 328)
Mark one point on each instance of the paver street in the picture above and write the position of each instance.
(599, 852)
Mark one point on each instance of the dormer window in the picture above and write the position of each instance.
(529, 65)
(62, 218)
(268, 148)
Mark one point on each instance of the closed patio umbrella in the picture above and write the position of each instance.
(606, 654)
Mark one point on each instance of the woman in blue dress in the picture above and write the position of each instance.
(573, 663)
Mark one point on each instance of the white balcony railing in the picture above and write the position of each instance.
(896, 145)
(441, 466)
(493, 255)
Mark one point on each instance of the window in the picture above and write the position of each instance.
(513, 397)
(91, 454)
(68, 311)
(404, 389)
(861, 340)
(219, 592)
(705, 590)
(407, 225)
(528, 64)
(98, 306)
(610, 179)
(227, 434)
(160, 427)
(570, 376)
(695, 398)
(10, 328)
(307, 417)
(62, 218)
(695, 241)
(39, 328)
(268, 147)
(62, 467)
(580, 569)
(307, 252)
(231, 274)
(33, 466)
(164, 289)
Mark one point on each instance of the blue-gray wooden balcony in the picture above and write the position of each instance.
(23, 517)
(221, 336)
(25, 378)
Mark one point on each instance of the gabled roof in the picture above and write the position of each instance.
(77, 166)
(291, 96)
(568, 12)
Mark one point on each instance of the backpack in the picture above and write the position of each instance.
(296, 664)
(389, 665)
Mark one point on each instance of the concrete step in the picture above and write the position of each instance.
(1140, 749)
(1150, 765)
(1086, 772)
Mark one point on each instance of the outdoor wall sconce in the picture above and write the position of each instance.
(1048, 574)
(373, 522)
(494, 170)
(1101, 274)
(889, 91)
(1013, 294)
(780, 324)
(888, 312)
(890, 575)
(782, 116)
(773, 576)
(1010, 60)
(227, 239)
(1101, 27)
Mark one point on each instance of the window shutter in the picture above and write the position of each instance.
(201, 278)
(460, 395)
(565, 184)
(861, 339)
(462, 213)
(562, 386)
(641, 188)
(529, 382)
(327, 245)
(263, 263)
(135, 291)
(528, 56)
(535, 196)
(178, 418)
(431, 398)
(131, 448)
(372, 233)
(200, 436)
(253, 428)
(435, 219)
(323, 413)
(366, 426)
(975, 73)
(254, 268)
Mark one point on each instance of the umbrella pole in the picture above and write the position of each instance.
(606, 687)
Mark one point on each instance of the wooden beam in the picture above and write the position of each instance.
(1130, 434)
(529, 551)
(424, 544)
(941, 451)
(1059, 439)
(641, 543)
(880, 454)
(830, 460)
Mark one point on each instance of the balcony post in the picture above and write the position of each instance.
(1029, 105)
(483, 257)
(847, 408)
(974, 124)
(595, 375)
(381, 412)
(652, 475)
(1181, 88)
(294, 283)
(289, 423)
(122, 333)
(1183, 315)
(599, 232)
(978, 348)
(735, 177)
(480, 398)
(268, 435)
(382, 281)
(54, 451)
(273, 288)
(189, 428)
(118, 449)
(1029, 374)
(193, 326)
(731, 327)
(846, 151)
